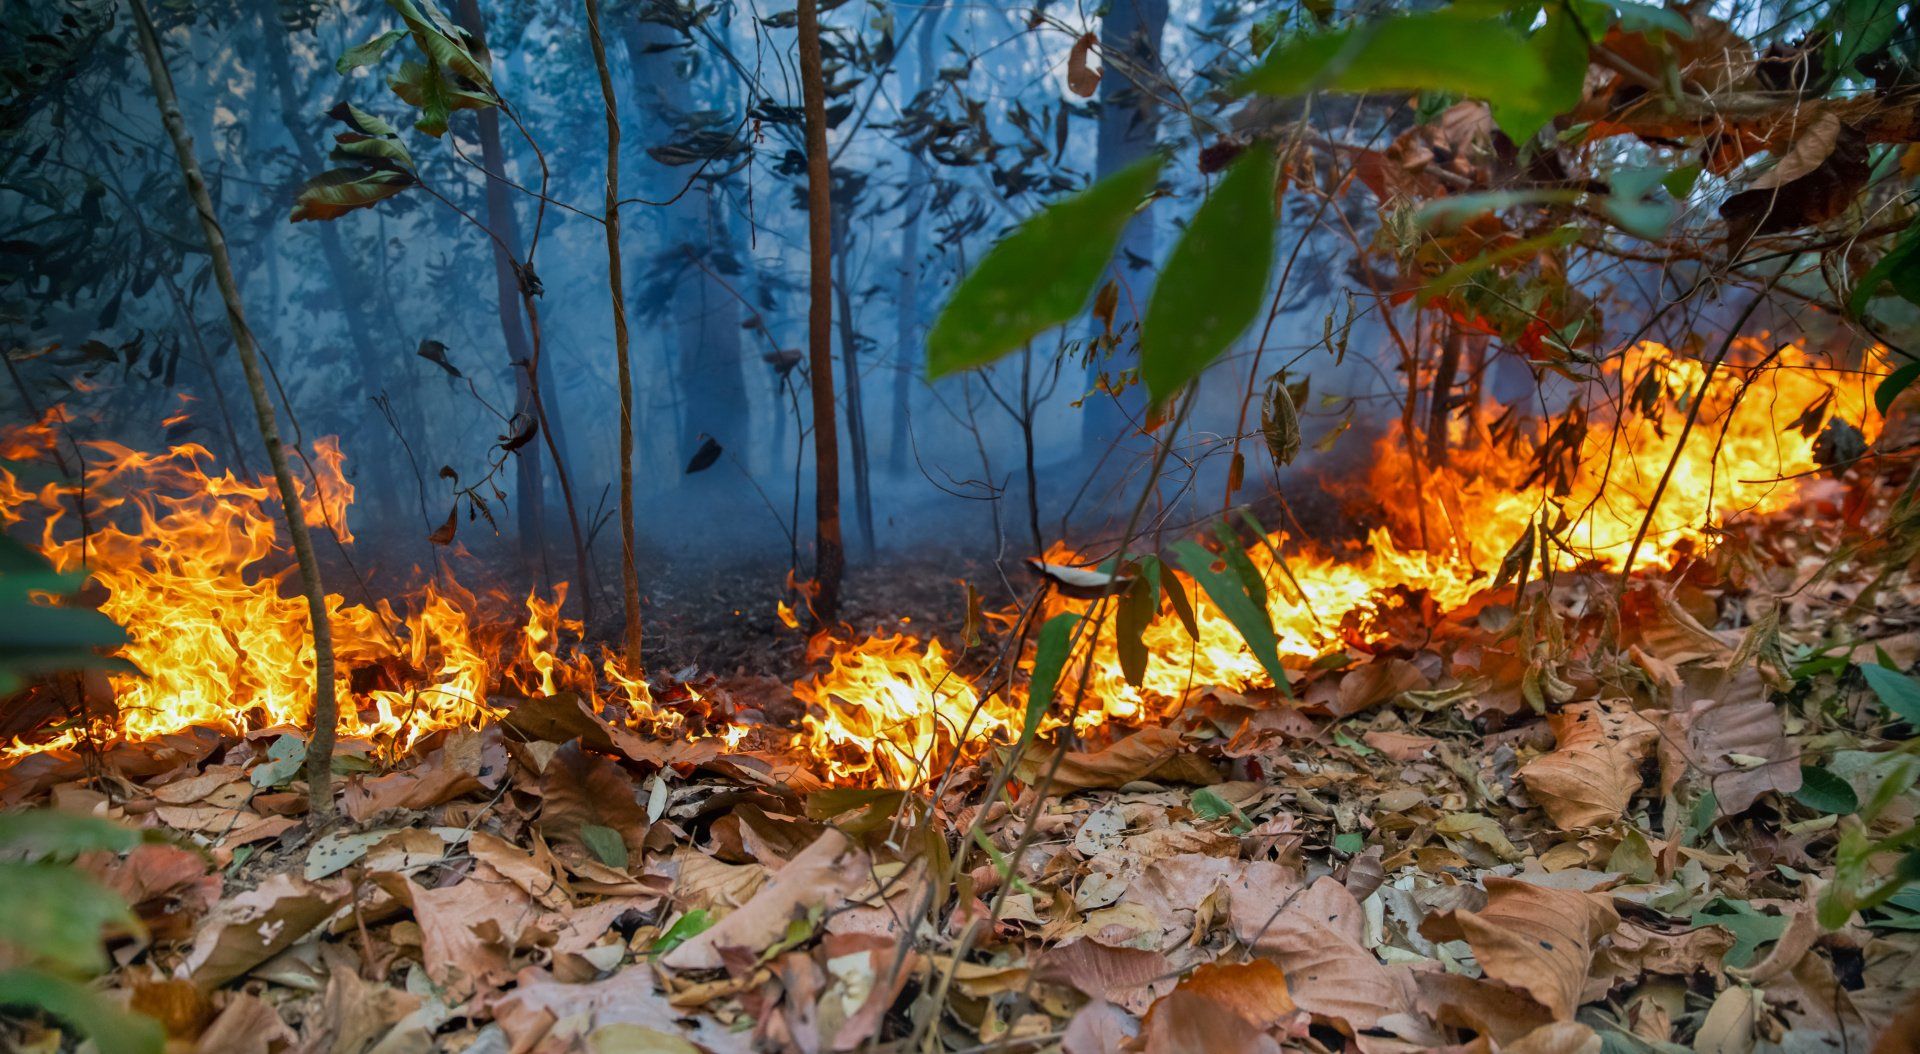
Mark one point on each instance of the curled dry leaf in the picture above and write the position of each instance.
(1536, 939)
(1082, 78)
(1739, 748)
(826, 871)
(1128, 977)
(1155, 753)
(246, 930)
(1594, 770)
(1318, 943)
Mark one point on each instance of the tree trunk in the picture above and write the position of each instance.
(319, 760)
(850, 364)
(1129, 122)
(629, 570)
(529, 476)
(276, 44)
(906, 298)
(829, 551)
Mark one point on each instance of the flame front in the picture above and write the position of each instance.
(191, 562)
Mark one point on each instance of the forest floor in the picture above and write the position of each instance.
(1401, 858)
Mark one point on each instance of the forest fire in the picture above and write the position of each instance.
(189, 560)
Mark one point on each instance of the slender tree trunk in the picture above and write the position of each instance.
(629, 570)
(276, 44)
(529, 474)
(850, 364)
(1440, 398)
(319, 761)
(829, 551)
(1130, 34)
(906, 298)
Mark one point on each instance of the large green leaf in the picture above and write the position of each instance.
(1229, 594)
(112, 1028)
(1561, 48)
(1049, 658)
(333, 194)
(1900, 693)
(443, 43)
(54, 915)
(1038, 277)
(38, 834)
(1215, 279)
(1900, 266)
(1893, 384)
(368, 53)
(428, 89)
(1429, 51)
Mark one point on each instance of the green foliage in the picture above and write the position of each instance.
(1899, 693)
(1038, 277)
(42, 638)
(368, 53)
(605, 844)
(113, 1029)
(1215, 279)
(684, 929)
(1049, 658)
(1230, 594)
(1750, 927)
(52, 918)
(1900, 268)
(1447, 50)
(1822, 791)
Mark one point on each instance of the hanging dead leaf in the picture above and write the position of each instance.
(1280, 421)
(1083, 79)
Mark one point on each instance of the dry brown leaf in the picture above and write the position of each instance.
(1129, 977)
(1186, 1022)
(1739, 748)
(1155, 753)
(467, 761)
(246, 930)
(826, 871)
(356, 1013)
(544, 1016)
(1560, 1037)
(246, 1025)
(1082, 79)
(1486, 1007)
(534, 875)
(1591, 775)
(467, 930)
(1255, 991)
(583, 790)
(1318, 942)
(1730, 1021)
(1810, 148)
(1536, 939)
(1099, 1028)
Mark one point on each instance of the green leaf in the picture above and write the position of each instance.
(333, 194)
(1629, 206)
(1822, 791)
(1750, 927)
(1900, 265)
(1176, 596)
(1230, 596)
(1899, 693)
(1437, 50)
(428, 89)
(41, 834)
(1680, 181)
(1893, 384)
(684, 929)
(1451, 213)
(1461, 273)
(1645, 18)
(1351, 842)
(605, 844)
(1561, 49)
(1138, 605)
(1038, 277)
(442, 42)
(368, 53)
(112, 1028)
(55, 915)
(1215, 280)
(1049, 658)
(1209, 805)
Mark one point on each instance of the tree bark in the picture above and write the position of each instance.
(1130, 34)
(829, 550)
(319, 760)
(629, 570)
(856, 408)
(906, 298)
